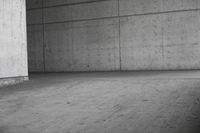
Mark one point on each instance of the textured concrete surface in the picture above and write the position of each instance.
(66, 46)
(135, 34)
(30, 4)
(128, 102)
(129, 7)
(13, 45)
(84, 11)
(34, 16)
(35, 48)
(141, 42)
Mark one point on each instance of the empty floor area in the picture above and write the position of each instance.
(104, 102)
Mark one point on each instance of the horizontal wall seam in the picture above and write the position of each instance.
(112, 17)
(70, 4)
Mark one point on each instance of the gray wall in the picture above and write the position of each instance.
(104, 35)
(13, 45)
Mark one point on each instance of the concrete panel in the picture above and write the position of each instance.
(173, 5)
(57, 14)
(35, 48)
(58, 52)
(83, 46)
(154, 39)
(83, 11)
(182, 40)
(148, 58)
(33, 4)
(129, 7)
(96, 45)
(13, 51)
(34, 16)
(95, 10)
(141, 42)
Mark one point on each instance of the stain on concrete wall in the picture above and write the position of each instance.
(13, 45)
(109, 35)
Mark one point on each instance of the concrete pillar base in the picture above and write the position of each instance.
(11, 81)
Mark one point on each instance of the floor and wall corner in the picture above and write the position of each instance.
(99, 66)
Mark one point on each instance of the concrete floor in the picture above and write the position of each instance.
(121, 102)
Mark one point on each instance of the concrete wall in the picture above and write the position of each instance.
(104, 35)
(13, 45)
